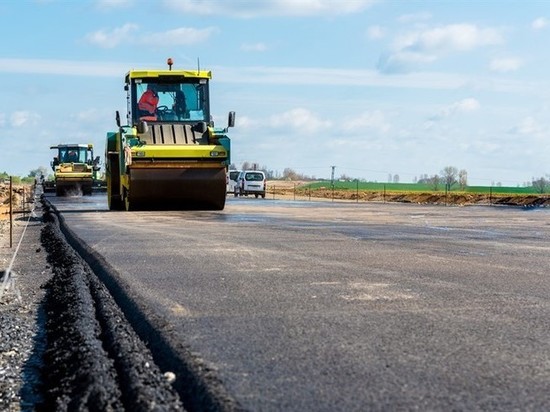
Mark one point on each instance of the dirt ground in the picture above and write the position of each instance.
(21, 194)
(299, 191)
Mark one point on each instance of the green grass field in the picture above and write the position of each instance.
(417, 187)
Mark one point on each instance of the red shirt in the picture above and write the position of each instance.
(148, 102)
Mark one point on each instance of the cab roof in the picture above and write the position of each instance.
(69, 145)
(142, 74)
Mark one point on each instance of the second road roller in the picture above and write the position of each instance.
(169, 155)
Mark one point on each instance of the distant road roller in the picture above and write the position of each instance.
(169, 155)
(75, 169)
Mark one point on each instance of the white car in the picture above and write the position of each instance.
(250, 182)
(232, 176)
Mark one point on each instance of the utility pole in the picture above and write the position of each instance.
(332, 182)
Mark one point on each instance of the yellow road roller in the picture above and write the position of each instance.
(75, 169)
(169, 155)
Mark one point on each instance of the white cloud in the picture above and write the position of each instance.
(89, 116)
(505, 65)
(445, 39)
(23, 118)
(113, 4)
(539, 23)
(300, 119)
(109, 39)
(246, 123)
(250, 9)
(462, 106)
(369, 120)
(126, 35)
(401, 61)
(414, 17)
(428, 45)
(253, 47)
(62, 67)
(375, 32)
(530, 127)
(466, 105)
(180, 36)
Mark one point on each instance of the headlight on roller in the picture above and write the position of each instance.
(215, 153)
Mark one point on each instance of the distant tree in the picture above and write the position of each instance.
(424, 179)
(449, 175)
(434, 182)
(541, 184)
(389, 177)
(40, 171)
(463, 179)
(396, 178)
(290, 174)
(269, 174)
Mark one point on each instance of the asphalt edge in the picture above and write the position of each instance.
(198, 386)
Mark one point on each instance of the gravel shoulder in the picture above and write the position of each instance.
(21, 311)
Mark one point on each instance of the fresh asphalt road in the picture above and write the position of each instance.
(342, 306)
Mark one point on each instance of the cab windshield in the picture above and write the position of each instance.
(158, 101)
(73, 154)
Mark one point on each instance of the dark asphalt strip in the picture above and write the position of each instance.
(93, 360)
(197, 386)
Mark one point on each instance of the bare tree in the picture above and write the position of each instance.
(541, 184)
(434, 182)
(463, 179)
(449, 175)
(246, 165)
(290, 174)
(396, 178)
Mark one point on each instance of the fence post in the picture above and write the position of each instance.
(11, 211)
(356, 190)
(294, 190)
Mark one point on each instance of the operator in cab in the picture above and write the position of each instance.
(147, 104)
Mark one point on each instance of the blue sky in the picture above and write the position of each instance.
(373, 87)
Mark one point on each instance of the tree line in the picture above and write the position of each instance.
(449, 178)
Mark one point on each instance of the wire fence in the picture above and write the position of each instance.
(20, 202)
(294, 191)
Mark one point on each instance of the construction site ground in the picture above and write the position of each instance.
(22, 311)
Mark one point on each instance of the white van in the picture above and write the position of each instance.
(250, 182)
(232, 176)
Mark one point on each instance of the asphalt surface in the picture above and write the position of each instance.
(339, 306)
